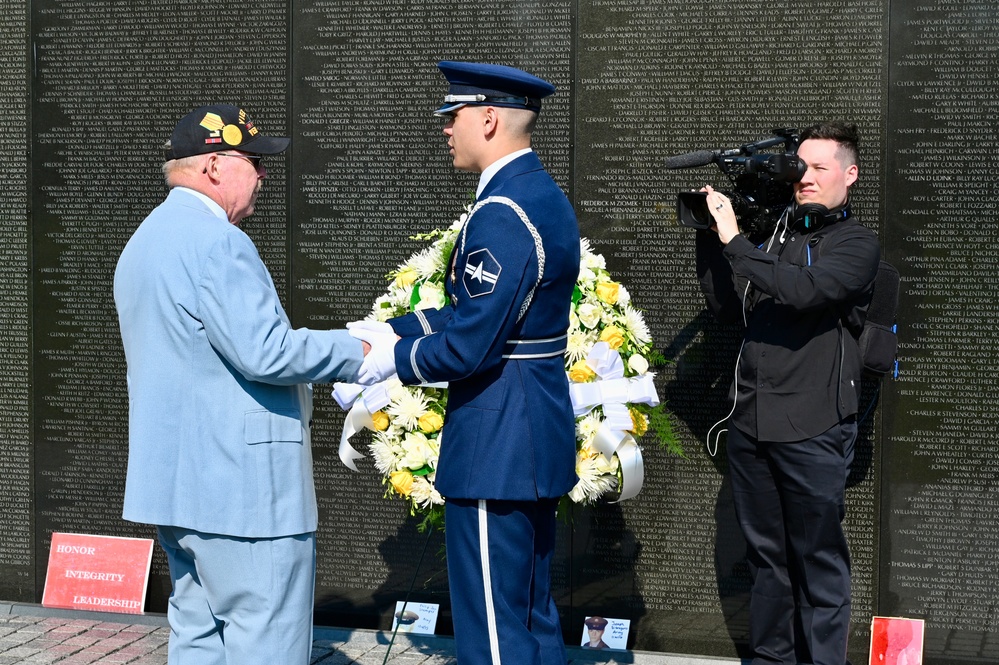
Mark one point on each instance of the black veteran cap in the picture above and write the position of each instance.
(220, 127)
(596, 623)
(480, 84)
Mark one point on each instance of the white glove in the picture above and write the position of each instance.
(373, 326)
(379, 364)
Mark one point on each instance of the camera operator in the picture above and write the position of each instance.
(802, 296)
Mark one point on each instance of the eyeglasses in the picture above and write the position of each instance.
(256, 160)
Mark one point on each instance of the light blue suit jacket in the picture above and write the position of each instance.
(218, 380)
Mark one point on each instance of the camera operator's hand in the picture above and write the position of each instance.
(721, 209)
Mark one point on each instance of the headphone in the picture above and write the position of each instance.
(813, 216)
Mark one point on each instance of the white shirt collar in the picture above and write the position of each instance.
(494, 168)
(212, 205)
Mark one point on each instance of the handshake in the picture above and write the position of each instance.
(379, 361)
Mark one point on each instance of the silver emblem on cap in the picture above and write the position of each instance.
(463, 99)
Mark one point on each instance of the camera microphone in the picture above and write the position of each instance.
(691, 159)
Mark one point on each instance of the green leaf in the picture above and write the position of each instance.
(433, 518)
(661, 422)
(414, 299)
(655, 357)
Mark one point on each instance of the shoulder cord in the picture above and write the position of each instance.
(530, 228)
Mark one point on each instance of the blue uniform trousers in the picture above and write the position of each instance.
(239, 601)
(789, 500)
(499, 556)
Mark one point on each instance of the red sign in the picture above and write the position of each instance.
(896, 641)
(98, 573)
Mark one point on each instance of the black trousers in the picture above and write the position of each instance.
(789, 500)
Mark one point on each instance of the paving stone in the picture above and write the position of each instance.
(77, 639)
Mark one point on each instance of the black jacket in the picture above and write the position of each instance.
(808, 292)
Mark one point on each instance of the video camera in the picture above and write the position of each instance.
(763, 182)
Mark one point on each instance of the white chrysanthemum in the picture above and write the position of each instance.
(381, 313)
(587, 427)
(427, 263)
(578, 346)
(635, 323)
(400, 298)
(384, 457)
(576, 494)
(392, 436)
(593, 261)
(586, 276)
(623, 297)
(584, 247)
(404, 268)
(424, 494)
(407, 407)
(593, 482)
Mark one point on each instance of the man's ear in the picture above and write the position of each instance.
(490, 121)
(211, 166)
(851, 174)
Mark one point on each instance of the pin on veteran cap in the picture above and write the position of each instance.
(480, 84)
(220, 127)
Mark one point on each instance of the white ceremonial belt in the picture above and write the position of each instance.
(528, 349)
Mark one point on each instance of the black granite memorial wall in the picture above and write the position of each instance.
(17, 578)
(939, 496)
(93, 87)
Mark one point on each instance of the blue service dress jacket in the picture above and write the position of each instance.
(509, 432)
(218, 380)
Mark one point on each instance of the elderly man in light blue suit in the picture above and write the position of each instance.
(220, 400)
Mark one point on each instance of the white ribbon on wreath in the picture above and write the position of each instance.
(360, 412)
(612, 392)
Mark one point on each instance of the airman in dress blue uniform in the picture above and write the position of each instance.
(508, 450)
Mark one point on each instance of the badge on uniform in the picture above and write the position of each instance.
(482, 271)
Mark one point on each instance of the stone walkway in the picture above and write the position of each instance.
(34, 635)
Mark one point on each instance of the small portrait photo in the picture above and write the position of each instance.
(415, 618)
(604, 633)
